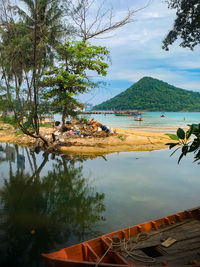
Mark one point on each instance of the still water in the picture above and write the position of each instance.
(48, 202)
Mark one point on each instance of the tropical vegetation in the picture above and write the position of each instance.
(39, 67)
(187, 29)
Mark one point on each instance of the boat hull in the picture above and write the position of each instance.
(101, 251)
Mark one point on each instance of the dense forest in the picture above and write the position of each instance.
(153, 95)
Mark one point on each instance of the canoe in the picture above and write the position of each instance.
(126, 114)
(170, 241)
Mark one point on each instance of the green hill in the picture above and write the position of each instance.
(153, 95)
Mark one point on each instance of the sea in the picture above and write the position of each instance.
(152, 121)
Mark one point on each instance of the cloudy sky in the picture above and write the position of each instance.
(136, 51)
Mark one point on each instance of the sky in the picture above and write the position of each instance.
(136, 51)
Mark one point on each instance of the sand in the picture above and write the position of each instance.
(125, 140)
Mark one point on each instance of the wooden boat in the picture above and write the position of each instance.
(170, 241)
(126, 113)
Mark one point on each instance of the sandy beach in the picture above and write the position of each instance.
(125, 140)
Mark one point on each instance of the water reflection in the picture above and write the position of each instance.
(42, 210)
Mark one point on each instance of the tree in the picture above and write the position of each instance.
(76, 58)
(27, 48)
(186, 25)
(42, 21)
(92, 18)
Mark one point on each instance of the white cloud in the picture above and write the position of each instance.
(136, 49)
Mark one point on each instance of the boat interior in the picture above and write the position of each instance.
(169, 241)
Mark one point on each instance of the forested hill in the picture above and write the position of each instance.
(153, 95)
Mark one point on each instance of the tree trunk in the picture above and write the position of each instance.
(35, 82)
(64, 115)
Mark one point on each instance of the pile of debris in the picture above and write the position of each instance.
(83, 128)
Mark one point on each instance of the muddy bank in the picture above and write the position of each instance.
(125, 140)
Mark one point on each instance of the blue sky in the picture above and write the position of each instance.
(136, 51)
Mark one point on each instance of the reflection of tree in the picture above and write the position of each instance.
(40, 213)
(2, 154)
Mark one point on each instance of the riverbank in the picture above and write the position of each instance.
(125, 140)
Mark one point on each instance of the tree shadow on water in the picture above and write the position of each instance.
(43, 213)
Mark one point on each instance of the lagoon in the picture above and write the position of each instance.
(152, 121)
(48, 201)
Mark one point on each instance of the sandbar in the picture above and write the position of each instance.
(125, 140)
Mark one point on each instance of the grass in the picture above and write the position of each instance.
(46, 124)
(19, 132)
(9, 120)
(173, 136)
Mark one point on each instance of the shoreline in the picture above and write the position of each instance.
(126, 140)
(162, 129)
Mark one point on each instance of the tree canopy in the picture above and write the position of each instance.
(76, 58)
(186, 25)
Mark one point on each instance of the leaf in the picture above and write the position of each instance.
(180, 157)
(185, 149)
(194, 146)
(174, 151)
(190, 131)
(171, 145)
(181, 133)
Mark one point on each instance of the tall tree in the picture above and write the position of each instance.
(71, 76)
(93, 19)
(28, 44)
(44, 20)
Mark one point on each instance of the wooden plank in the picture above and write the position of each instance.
(91, 254)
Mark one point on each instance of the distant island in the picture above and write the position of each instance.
(153, 95)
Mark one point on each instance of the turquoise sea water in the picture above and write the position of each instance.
(48, 202)
(151, 120)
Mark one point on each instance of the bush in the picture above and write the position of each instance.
(9, 120)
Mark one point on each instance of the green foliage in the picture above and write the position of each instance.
(46, 124)
(173, 136)
(27, 48)
(189, 142)
(62, 83)
(153, 95)
(9, 120)
(186, 25)
(19, 132)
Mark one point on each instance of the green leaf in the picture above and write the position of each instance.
(180, 157)
(171, 145)
(181, 133)
(190, 131)
(194, 146)
(185, 149)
